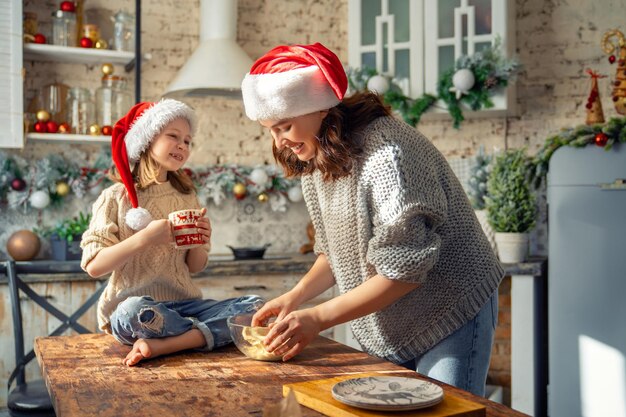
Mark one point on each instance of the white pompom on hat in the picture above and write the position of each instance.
(294, 80)
(132, 135)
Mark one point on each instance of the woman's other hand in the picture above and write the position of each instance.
(293, 333)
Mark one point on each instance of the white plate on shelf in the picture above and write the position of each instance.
(387, 393)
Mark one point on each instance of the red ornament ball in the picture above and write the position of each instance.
(86, 42)
(611, 59)
(41, 127)
(39, 38)
(52, 126)
(68, 6)
(589, 105)
(188, 172)
(106, 130)
(18, 184)
(64, 128)
(601, 139)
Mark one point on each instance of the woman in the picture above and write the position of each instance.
(394, 228)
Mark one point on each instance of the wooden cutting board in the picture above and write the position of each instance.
(317, 395)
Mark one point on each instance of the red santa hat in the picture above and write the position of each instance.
(131, 137)
(290, 81)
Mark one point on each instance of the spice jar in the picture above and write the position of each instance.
(123, 31)
(80, 110)
(64, 28)
(113, 100)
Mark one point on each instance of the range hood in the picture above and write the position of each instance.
(218, 65)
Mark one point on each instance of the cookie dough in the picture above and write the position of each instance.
(254, 344)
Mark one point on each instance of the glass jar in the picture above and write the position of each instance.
(64, 28)
(113, 100)
(92, 32)
(123, 31)
(54, 100)
(80, 110)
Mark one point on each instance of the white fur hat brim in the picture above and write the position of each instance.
(283, 95)
(152, 122)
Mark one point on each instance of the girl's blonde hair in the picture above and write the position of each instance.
(146, 171)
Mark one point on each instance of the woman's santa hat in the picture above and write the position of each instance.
(131, 137)
(294, 80)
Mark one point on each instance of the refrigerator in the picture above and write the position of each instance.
(587, 282)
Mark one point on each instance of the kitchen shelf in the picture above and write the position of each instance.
(68, 138)
(42, 52)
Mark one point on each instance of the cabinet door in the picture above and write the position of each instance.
(11, 86)
(386, 35)
(453, 28)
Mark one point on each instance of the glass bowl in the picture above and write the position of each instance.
(249, 339)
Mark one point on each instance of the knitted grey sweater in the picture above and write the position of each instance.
(403, 214)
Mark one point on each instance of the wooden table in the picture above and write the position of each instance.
(85, 377)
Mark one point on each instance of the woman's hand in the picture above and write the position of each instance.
(279, 307)
(293, 333)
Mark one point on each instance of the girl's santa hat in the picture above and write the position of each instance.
(131, 137)
(290, 81)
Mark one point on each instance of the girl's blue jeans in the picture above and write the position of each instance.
(143, 318)
(462, 359)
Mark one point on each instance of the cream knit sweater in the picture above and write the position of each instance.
(160, 271)
(403, 214)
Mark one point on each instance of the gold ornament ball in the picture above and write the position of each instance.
(263, 198)
(94, 129)
(107, 69)
(23, 245)
(43, 116)
(63, 189)
(101, 44)
(239, 190)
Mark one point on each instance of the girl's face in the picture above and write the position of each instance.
(171, 148)
(299, 134)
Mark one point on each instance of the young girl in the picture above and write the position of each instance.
(393, 227)
(150, 301)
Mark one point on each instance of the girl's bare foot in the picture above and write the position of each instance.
(142, 349)
(151, 348)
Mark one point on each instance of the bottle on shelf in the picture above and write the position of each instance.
(64, 28)
(80, 110)
(112, 99)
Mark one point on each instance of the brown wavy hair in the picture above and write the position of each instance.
(340, 145)
(145, 174)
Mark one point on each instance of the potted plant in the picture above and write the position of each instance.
(65, 237)
(510, 204)
(477, 191)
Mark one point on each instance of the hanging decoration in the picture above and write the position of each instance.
(594, 104)
(48, 182)
(604, 135)
(618, 94)
(472, 82)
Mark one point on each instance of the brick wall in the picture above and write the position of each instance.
(555, 41)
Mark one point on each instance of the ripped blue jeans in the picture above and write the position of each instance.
(143, 318)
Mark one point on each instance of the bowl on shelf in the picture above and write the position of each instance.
(252, 252)
(249, 339)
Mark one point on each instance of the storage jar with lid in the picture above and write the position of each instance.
(113, 100)
(80, 110)
(123, 31)
(64, 28)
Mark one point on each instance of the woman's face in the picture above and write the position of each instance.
(298, 134)
(171, 148)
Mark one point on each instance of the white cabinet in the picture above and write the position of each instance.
(12, 53)
(415, 41)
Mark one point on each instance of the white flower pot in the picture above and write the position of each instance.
(512, 247)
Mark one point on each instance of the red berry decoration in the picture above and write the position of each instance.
(106, 130)
(68, 6)
(18, 184)
(611, 59)
(601, 139)
(39, 38)
(41, 127)
(86, 43)
(52, 126)
(188, 172)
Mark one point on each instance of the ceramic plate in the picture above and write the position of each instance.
(387, 393)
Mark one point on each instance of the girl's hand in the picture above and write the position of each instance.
(290, 335)
(158, 232)
(279, 307)
(204, 227)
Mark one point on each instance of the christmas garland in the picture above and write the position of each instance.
(603, 135)
(50, 180)
(472, 82)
